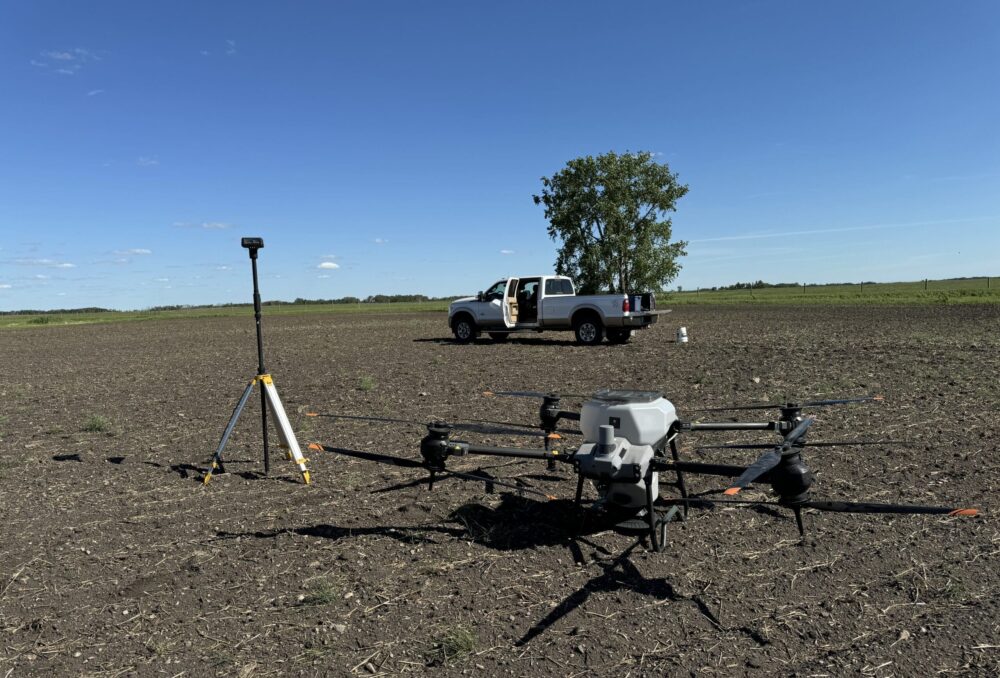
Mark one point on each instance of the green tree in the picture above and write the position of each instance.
(610, 212)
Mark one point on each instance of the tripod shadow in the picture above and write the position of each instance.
(196, 473)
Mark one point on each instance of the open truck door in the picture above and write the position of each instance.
(510, 304)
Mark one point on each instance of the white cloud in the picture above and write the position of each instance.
(40, 276)
(505, 252)
(147, 162)
(135, 250)
(328, 265)
(65, 62)
(161, 280)
(95, 92)
(204, 52)
(5, 286)
(323, 276)
(230, 47)
(48, 263)
(381, 241)
(223, 268)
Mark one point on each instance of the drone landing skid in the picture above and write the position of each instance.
(655, 528)
(647, 520)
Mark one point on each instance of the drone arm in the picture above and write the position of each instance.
(728, 426)
(521, 453)
(573, 416)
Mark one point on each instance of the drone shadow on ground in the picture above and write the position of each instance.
(514, 526)
(621, 574)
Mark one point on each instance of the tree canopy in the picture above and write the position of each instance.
(610, 212)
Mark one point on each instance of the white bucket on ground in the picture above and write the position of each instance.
(682, 335)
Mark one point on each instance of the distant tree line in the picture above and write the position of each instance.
(760, 284)
(89, 309)
(371, 299)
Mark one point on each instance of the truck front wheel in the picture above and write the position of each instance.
(464, 329)
(589, 330)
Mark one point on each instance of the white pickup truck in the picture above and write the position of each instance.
(549, 302)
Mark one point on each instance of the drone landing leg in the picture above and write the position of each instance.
(680, 476)
(651, 517)
(798, 521)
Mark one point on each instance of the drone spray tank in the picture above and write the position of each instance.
(621, 429)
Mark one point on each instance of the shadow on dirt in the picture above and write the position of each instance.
(526, 341)
(67, 457)
(512, 526)
(197, 473)
(703, 501)
(406, 535)
(621, 574)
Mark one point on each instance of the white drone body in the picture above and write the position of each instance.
(623, 430)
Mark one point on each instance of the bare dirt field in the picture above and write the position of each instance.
(115, 560)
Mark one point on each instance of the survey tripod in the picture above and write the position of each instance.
(269, 399)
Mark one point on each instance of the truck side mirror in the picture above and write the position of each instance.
(479, 296)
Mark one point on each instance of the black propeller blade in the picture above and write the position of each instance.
(472, 428)
(769, 460)
(839, 506)
(789, 405)
(825, 443)
(413, 463)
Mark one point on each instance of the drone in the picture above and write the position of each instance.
(630, 437)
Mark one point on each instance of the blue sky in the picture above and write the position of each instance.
(393, 147)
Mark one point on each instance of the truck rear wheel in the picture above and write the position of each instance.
(464, 328)
(589, 329)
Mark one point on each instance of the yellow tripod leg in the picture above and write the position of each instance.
(285, 432)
